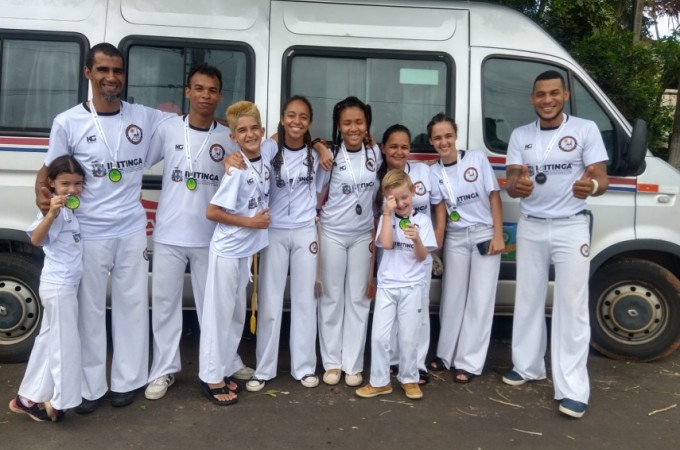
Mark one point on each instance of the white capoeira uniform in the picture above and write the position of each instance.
(292, 244)
(182, 232)
(398, 301)
(113, 150)
(554, 229)
(346, 224)
(470, 279)
(243, 193)
(420, 176)
(54, 369)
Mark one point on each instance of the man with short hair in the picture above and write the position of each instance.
(553, 165)
(110, 138)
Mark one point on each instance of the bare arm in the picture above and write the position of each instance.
(594, 181)
(497, 243)
(440, 223)
(42, 190)
(42, 230)
(260, 220)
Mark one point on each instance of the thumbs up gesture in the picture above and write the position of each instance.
(587, 185)
(524, 186)
(261, 219)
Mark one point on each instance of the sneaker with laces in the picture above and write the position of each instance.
(36, 412)
(572, 408)
(331, 376)
(370, 391)
(159, 387)
(310, 381)
(254, 385)
(412, 391)
(353, 379)
(245, 373)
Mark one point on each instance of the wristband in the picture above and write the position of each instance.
(596, 186)
(315, 141)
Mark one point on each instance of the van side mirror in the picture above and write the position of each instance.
(632, 158)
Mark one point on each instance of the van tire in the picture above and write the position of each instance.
(635, 310)
(20, 308)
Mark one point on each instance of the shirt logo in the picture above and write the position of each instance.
(134, 134)
(528, 146)
(470, 175)
(91, 139)
(98, 170)
(346, 188)
(76, 237)
(568, 144)
(585, 250)
(370, 164)
(176, 175)
(179, 147)
(313, 248)
(252, 203)
(420, 188)
(217, 152)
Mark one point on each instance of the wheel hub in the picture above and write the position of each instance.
(632, 313)
(19, 310)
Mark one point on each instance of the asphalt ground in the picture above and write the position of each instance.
(632, 406)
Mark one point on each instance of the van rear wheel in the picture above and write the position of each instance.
(20, 309)
(635, 310)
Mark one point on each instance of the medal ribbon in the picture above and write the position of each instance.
(100, 130)
(260, 184)
(291, 184)
(351, 170)
(447, 184)
(187, 145)
(539, 146)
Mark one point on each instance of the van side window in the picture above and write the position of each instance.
(587, 107)
(40, 76)
(506, 86)
(399, 88)
(157, 70)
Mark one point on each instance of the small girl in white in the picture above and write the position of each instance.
(51, 384)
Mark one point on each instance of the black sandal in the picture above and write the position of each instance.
(212, 392)
(437, 365)
(424, 377)
(467, 376)
(238, 383)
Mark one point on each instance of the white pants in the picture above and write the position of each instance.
(468, 298)
(54, 369)
(424, 330)
(169, 265)
(565, 243)
(344, 308)
(125, 258)
(295, 249)
(223, 316)
(402, 307)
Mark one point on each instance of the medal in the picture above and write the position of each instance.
(404, 223)
(454, 216)
(358, 209)
(191, 184)
(72, 202)
(541, 177)
(115, 175)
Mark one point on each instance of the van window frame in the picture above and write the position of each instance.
(172, 42)
(48, 36)
(365, 53)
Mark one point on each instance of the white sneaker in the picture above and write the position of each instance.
(244, 373)
(159, 387)
(310, 381)
(353, 380)
(332, 376)
(254, 385)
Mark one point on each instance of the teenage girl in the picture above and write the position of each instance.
(468, 208)
(346, 227)
(51, 384)
(292, 244)
(396, 147)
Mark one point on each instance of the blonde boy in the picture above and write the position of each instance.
(240, 208)
(406, 237)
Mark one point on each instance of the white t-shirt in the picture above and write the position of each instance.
(470, 181)
(578, 144)
(292, 199)
(352, 188)
(399, 266)
(108, 209)
(180, 217)
(63, 249)
(243, 193)
(420, 177)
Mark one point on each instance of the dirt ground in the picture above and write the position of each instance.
(632, 406)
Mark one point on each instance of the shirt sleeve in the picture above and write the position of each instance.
(377, 233)
(435, 194)
(227, 194)
(427, 234)
(514, 155)
(58, 144)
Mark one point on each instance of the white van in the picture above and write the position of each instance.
(409, 59)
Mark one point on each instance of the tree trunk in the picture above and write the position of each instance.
(637, 19)
(674, 146)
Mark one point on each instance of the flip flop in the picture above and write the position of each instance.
(424, 377)
(437, 365)
(464, 373)
(228, 381)
(212, 392)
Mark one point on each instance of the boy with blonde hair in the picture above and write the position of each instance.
(406, 237)
(240, 208)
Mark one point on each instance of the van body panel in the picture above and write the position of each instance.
(237, 15)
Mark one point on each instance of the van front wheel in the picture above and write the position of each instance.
(635, 310)
(20, 309)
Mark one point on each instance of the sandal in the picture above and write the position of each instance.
(394, 369)
(424, 377)
(212, 392)
(437, 365)
(461, 376)
(233, 384)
